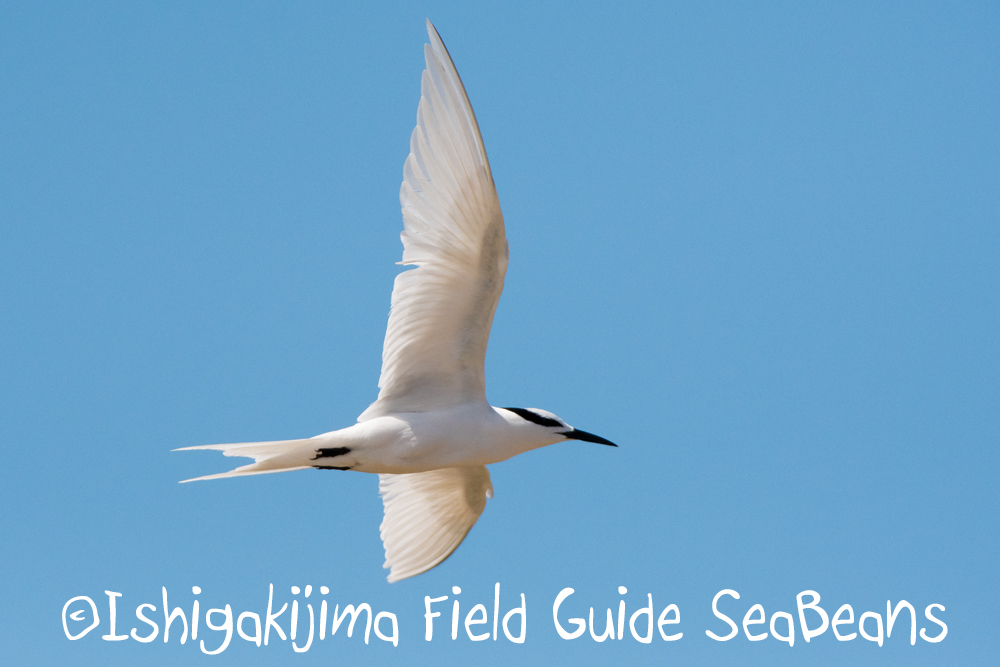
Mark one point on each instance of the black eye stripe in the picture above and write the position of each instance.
(534, 417)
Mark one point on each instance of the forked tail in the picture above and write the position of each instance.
(274, 456)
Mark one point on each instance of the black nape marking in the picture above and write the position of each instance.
(330, 452)
(332, 468)
(535, 418)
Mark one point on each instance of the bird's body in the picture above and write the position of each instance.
(469, 434)
(431, 432)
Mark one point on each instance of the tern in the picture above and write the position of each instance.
(431, 433)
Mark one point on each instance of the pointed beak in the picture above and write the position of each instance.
(577, 434)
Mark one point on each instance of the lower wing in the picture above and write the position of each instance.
(428, 514)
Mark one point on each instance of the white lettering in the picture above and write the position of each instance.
(113, 612)
(890, 618)
(168, 618)
(790, 637)
(256, 625)
(932, 619)
(431, 615)
(271, 619)
(748, 621)
(720, 615)
(394, 637)
(609, 627)
(309, 641)
(156, 629)
(470, 621)
(78, 616)
(808, 634)
(578, 622)
(663, 620)
(349, 609)
(861, 627)
(227, 626)
(521, 611)
(850, 620)
(648, 639)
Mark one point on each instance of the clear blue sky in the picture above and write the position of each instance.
(755, 244)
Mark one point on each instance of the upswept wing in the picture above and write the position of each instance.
(428, 514)
(442, 311)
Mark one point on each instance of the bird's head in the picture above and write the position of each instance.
(548, 427)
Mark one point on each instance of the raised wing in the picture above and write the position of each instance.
(428, 514)
(442, 311)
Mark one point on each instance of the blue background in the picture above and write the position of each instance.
(756, 245)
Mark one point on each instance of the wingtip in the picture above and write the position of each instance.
(395, 576)
(435, 36)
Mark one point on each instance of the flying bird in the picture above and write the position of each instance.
(431, 433)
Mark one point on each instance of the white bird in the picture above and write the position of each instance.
(431, 433)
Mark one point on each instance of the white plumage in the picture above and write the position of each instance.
(431, 432)
(442, 311)
(428, 514)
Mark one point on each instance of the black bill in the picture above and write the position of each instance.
(577, 434)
